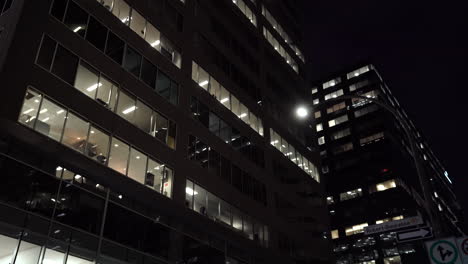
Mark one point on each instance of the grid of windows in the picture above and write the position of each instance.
(62, 125)
(141, 26)
(227, 99)
(98, 87)
(222, 167)
(227, 133)
(245, 9)
(70, 215)
(279, 48)
(290, 152)
(282, 32)
(207, 204)
(119, 51)
(358, 72)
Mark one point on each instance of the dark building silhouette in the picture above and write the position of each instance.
(369, 173)
(146, 131)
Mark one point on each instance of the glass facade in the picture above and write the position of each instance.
(77, 133)
(278, 28)
(205, 203)
(107, 93)
(245, 9)
(114, 47)
(59, 216)
(141, 26)
(289, 151)
(279, 48)
(217, 164)
(227, 133)
(227, 99)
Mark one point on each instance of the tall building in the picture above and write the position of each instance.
(150, 131)
(369, 174)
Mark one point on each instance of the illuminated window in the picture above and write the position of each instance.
(351, 194)
(317, 114)
(335, 234)
(336, 107)
(330, 200)
(335, 94)
(331, 83)
(388, 219)
(337, 121)
(321, 140)
(383, 186)
(319, 127)
(393, 260)
(371, 138)
(356, 229)
(314, 90)
(358, 72)
(316, 101)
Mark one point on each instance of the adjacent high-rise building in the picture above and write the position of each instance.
(370, 175)
(151, 131)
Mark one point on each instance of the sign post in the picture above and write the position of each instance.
(392, 225)
(443, 251)
(463, 249)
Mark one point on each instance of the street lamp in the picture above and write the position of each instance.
(302, 112)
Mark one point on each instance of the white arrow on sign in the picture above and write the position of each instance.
(414, 234)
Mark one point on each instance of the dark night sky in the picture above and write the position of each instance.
(421, 50)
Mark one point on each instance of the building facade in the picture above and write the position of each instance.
(150, 131)
(370, 175)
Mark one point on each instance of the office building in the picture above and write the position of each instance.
(369, 173)
(149, 131)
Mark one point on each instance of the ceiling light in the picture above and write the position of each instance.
(224, 100)
(129, 110)
(93, 87)
(28, 111)
(77, 177)
(43, 111)
(190, 191)
(60, 111)
(58, 168)
(45, 119)
(243, 115)
(156, 43)
(203, 83)
(92, 132)
(116, 145)
(36, 101)
(77, 29)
